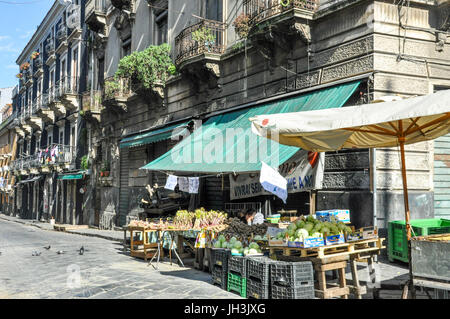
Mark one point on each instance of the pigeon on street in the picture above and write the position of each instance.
(35, 253)
(81, 250)
(60, 252)
(48, 247)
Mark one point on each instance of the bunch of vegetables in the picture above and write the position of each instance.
(312, 228)
(237, 247)
(205, 219)
(184, 219)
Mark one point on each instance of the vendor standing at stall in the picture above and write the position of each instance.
(252, 217)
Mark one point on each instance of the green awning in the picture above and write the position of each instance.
(225, 143)
(71, 176)
(154, 136)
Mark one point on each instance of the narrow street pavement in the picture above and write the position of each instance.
(103, 271)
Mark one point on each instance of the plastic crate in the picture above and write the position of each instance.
(237, 284)
(238, 265)
(257, 289)
(259, 268)
(219, 257)
(397, 242)
(302, 292)
(291, 274)
(219, 277)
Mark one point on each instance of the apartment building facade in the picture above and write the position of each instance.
(230, 56)
(46, 118)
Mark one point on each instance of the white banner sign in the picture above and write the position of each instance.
(303, 172)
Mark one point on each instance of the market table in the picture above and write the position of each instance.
(335, 257)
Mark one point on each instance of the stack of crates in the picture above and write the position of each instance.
(237, 275)
(219, 266)
(397, 242)
(258, 277)
(292, 280)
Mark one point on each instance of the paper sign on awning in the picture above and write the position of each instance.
(273, 182)
(303, 172)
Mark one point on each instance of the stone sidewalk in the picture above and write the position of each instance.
(393, 276)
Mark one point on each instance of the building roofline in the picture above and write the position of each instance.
(39, 31)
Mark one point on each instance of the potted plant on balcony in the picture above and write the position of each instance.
(24, 66)
(242, 26)
(34, 55)
(105, 169)
(204, 38)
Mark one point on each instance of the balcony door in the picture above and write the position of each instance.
(214, 10)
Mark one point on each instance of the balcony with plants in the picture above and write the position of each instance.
(91, 105)
(276, 24)
(38, 65)
(200, 45)
(140, 74)
(95, 15)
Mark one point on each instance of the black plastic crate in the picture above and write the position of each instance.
(238, 265)
(219, 276)
(257, 289)
(259, 268)
(219, 257)
(291, 274)
(283, 292)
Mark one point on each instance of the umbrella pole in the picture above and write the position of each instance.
(407, 214)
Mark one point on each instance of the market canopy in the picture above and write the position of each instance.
(154, 136)
(225, 143)
(365, 126)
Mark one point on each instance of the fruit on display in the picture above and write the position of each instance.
(310, 227)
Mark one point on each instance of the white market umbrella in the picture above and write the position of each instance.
(387, 124)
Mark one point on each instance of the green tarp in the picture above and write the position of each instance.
(225, 143)
(154, 136)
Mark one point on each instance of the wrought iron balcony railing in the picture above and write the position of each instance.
(67, 85)
(56, 154)
(92, 101)
(260, 10)
(207, 36)
(117, 89)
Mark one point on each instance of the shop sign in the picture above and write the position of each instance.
(303, 172)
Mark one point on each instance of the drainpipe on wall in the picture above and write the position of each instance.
(373, 162)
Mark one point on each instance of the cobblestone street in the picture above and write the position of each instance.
(103, 271)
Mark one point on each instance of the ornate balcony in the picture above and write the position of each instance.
(54, 102)
(57, 156)
(31, 118)
(92, 105)
(51, 50)
(199, 47)
(28, 76)
(61, 36)
(41, 109)
(38, 67)
(117, 94)
(67, 91)
(95, 15)
(277, 24)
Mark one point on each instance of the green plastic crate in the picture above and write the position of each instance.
(238, 284)
(397, 243)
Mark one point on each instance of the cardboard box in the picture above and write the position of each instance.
(335, 239)
(277, 242)
(307, 243)
(342, 215)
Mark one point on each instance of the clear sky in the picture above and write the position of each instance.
(19, 19)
